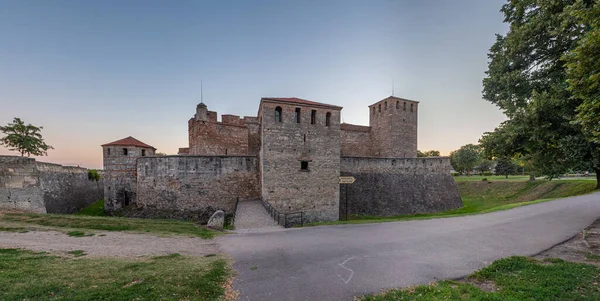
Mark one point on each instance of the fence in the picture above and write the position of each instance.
(285, 220)
(237, 200)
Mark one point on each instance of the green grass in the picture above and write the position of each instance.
(14, 229)
(77, 253)
(95, 209)
(26, 275)
(515, 278)
(79, 234)
(489, 196)
(82, 222)
(592, 257)
(490, 178)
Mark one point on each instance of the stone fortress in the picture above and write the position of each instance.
(290, 156)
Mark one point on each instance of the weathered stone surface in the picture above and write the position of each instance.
(387, 186)
(285, 144)
(193, 187)
(44, 187)
(217, 220)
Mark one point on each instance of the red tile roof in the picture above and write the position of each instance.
(300, 101)
(129, 141)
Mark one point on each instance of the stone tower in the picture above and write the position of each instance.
(119, 160)
(393, 124)
(201, 112)
(300, 157)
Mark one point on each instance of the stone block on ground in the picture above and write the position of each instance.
(217, 220)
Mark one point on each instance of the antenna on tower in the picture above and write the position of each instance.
(392, 87)
(201, 96)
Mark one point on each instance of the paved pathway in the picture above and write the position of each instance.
(339, 262)
(251, 215)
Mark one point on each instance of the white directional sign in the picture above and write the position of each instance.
(347, 180)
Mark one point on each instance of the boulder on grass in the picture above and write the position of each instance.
(217, 220)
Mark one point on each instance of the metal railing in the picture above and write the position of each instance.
(285, 220)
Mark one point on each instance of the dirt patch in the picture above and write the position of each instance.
(583, 248)
(108, 244)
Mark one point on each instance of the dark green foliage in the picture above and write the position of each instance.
(431, 153)
(26, 275)
(77, 253)
(526, 79)
(488, 173)
(466, 158)
(517, 278)
(505, 167)
(24, 138)
(95, 209)
(93, 175)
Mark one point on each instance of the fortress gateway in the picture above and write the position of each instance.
(291, 156)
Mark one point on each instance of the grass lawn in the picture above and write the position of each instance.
(69, 223)
(492, 195)
(514, 278)
(26, 275)
(95, 209)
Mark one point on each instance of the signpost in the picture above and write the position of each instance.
(347, 181)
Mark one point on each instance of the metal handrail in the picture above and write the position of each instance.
(278, 216)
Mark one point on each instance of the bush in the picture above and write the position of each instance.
(484, 179)
(93, 175)
(487, 173)
(455, 174)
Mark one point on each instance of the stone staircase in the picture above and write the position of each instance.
(251, 216)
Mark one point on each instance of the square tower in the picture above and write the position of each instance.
(300, 157)
(393, 124)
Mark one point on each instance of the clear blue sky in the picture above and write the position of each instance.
(92, 72)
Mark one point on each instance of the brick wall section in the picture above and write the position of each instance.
(284, 185)
(193, 187)
(355, 140)
(217, 138)
(396, 186)
(394, 128)
(120, 175)
(44, 187)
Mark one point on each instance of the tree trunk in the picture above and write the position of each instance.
(531, 177)
(506, 176)
(597, 178)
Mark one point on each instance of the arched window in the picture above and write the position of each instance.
(405, 106)
(278, 114)
(379, 108)
(397, 105)
(328, 118)
(386, 105)
(411, 107)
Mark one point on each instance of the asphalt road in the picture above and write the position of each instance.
(339, 262)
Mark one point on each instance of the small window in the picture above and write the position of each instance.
(404, 106)
(373, 110)
(124, 152)
(397, 105)
(386, 105)
(304, 138)
(298, 116)
(313, 117)
(108, 151)
(278, 114)
(411, 107)
(379, 108)
(328, 119)
(143, 152)
(304, 165)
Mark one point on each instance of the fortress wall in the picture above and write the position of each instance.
(193, 187)
(355, 140)
(40, 187)
(218, 138)
(397, 186)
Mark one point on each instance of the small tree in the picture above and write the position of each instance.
(505, 167)
(26, 139)
(93, 175)
(431, 153)
(466, 158)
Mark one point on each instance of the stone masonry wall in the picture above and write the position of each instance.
(397, 186)
(218, 138)
(285, 144)
(193, 187)
(393, 124)
(44, 187)
(355, 140)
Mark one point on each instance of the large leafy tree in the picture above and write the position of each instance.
(465, 158)
(526, 79)
(24, 138)
(583, 72)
